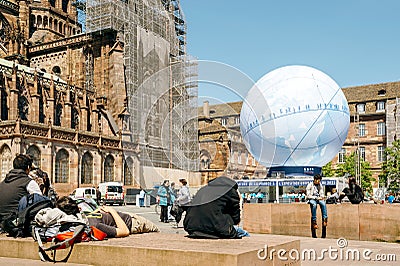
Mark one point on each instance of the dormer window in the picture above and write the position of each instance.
(360, 108)
(381, 92)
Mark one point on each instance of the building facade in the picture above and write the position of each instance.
(374, 125)
(74, 94)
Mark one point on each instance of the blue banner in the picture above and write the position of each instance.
(282, 183)
(249, 183)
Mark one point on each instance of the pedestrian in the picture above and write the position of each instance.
(111, 222)
(353, 192)
(215, 211)
(315, 196)
(142, 195)
(16, 185)
(98, 195)
(183, 200)
(165, 199)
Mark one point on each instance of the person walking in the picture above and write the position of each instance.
(315, 196)
(142, 195)
(165, 198)
(16, 185)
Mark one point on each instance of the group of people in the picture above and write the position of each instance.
(316, 196)
(172, 202)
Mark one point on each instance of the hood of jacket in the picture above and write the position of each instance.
(15, 174)
(214, 190)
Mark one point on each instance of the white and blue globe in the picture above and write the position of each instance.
(294, 116)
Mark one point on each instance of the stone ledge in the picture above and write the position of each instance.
(160, 249)
(367, 222)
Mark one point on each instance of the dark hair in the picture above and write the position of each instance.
(22, 161)
(183, 181)
(67, 205)
(165, 182)
(352, 180)
(317, 176)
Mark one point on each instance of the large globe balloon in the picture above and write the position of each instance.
(294, 116)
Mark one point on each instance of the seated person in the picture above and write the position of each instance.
(16, 185)
(110, 221)
(354, 192)
(333, 198)
(215, 211)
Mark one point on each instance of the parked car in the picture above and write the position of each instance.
(130, 196)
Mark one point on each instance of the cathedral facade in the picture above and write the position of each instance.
(65, 98)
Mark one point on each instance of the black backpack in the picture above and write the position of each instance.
(19, 223)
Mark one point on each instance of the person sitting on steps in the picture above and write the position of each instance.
(315, 195)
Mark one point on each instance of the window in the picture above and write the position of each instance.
(361, 108)
(253, 161)
(128, 171)
(5, 161)
(237, 120)
(224, 121)
(361, 130)
(87, 169)
(109, 169)
(381, 154)
(239, 157)
(362, 153)
(34, 152)
(381, 129)
(342, 156)
(380, 106)
(62, 166)
(247, 158)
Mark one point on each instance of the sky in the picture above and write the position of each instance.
(355, 42)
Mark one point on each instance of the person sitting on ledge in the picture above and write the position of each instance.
(215, 211)
(110, 221)
(315, 195)
(354, 192)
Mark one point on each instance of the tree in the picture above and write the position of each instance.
(390, 176)
(349, 166)
(327, 170)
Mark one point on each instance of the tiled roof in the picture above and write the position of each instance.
(225, 109)
(372, 92)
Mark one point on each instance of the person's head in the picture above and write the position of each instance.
(352, 180)
(317, 179)
(67, 205)
(173, 184)
(166, 183)
(23, 162)
(183, 181)
(334, 190)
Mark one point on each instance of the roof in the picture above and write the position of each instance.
(224, 109)
(372, 92)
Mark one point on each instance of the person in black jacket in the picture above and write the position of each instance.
(16, 185)
(354, 192)
(214, 211)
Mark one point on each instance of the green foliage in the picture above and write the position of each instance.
(327, 170)
(349, 166)
(390, 176)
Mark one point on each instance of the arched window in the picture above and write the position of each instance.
(109, 169)
(128, 172)
(62, 166)
(56, 70)
(65, 5)
(4, 107)
(35, 153)
(5, 161)
(53, 3)
(87, 169)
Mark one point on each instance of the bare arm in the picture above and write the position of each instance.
(122, 229)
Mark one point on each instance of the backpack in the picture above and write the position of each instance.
(19, 223)
(61, 232)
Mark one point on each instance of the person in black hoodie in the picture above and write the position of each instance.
(214, 211)
(354, 192)
(16, 185)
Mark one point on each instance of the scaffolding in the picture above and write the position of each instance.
(160, 79)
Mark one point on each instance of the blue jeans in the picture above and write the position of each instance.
(313, 205)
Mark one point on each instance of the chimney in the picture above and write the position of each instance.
(206, 109)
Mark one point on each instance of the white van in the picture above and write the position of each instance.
(84, 192)
(112, 193)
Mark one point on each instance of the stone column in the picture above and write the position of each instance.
(50, 103)
(13, 107)
(66, 122)
(34, 108)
